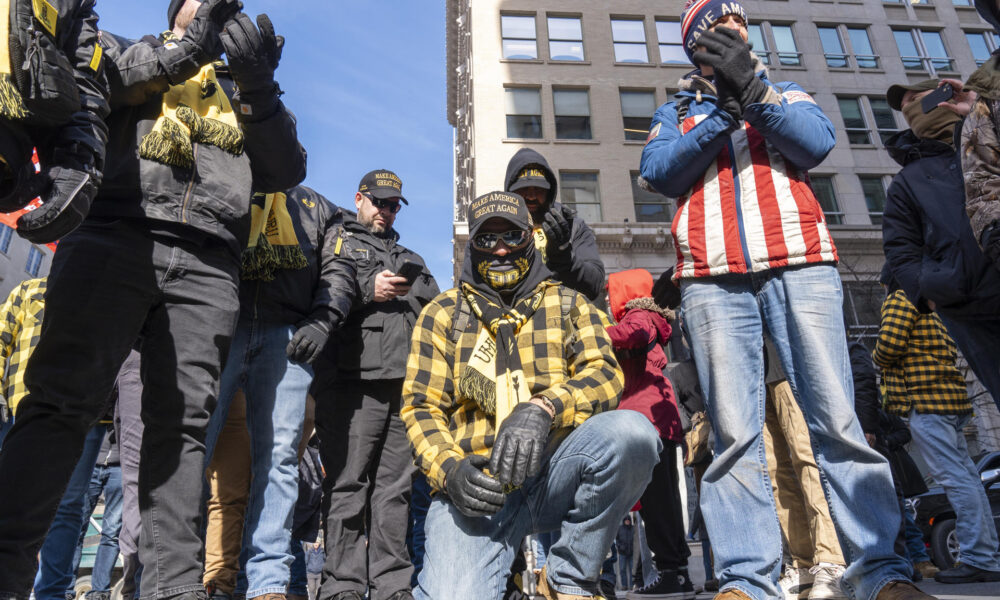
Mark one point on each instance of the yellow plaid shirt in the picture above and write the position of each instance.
(917, 357)
(22, 323)
(571, 364)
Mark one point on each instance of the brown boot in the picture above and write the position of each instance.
(902, 590)
(549, 593)
(732, 594)
(926, 568)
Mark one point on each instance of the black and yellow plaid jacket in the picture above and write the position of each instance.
(917, 357)
(571, 363)
(19, 331)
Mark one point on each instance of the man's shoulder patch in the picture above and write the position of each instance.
(794, 96)
(653, 132)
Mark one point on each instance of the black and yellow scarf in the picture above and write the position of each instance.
(273, 244)
(196, 111)
(11, 103)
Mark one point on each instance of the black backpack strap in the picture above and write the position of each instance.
(463, 316)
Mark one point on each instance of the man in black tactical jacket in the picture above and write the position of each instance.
(159, 254)
(358, 385)
(294, 291)
(567, 244)
(53, 97)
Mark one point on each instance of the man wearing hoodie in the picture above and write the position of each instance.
(754, 254)
(929, 245)
(159, 254)
(567, 245)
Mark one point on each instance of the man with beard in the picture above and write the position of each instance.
(515, 372)
(357, 389)
(159, 255)
(567, 245)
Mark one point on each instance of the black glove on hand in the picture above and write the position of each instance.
(727, 101)
(472, 491)
(200, 44)
(64, 206)
(306, 344)
(517, 451)
(253, 55)
(558, 226)
(729, 56)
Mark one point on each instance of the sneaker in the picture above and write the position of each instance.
(607, 589)
(826, 582)
(794, 583)
(963, 573)
(402, 595)
(902, 590)
(926, 568)
(92, 595)
(674, 585)
(549, 593)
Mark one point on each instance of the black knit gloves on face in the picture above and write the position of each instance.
(472, 491)
(729, 56)
(306, 344)
(204, 30)
(64, 206)
(517, 452)
(253, 54)
(558, 226)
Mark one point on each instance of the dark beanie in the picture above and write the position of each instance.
(172, 10)
(699, 15)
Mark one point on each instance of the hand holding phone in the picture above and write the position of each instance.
(410, 270)
(943, 93)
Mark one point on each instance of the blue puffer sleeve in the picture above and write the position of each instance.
(797, 127)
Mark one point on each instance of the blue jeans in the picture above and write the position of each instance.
(800, 308)
(584, 491)
(916, 551)
(625, 570)
(55, 565)
(106, 480)
(420, 501)
(297, 583)
(275, 390)
(940, 441)
(4, 428)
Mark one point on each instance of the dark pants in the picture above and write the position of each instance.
(661, 511)
(370, 472)
(128, 428)
(978, 340)
(416, 536)
(109, 282)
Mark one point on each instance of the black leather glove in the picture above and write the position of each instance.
(517, 451)
(558, 226)
(200, 44)
(306, 343)
(472, 491)
(253, 54)
(729, 56)
(728, 101)
(64, 205)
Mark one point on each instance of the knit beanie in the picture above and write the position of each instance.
(172, 10)
(699, 15)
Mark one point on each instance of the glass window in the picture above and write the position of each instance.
(650, 207)
(784, 45)
(885, 121)
(524, 113)
(34, 261)
(757, 39)
(629, 39)
(962, 2)
(572, 111)
(565, 38)
(668, 34)
(822, 186)
(854, 121)
(873, 188)
(833, 48)
(637, 111)
(518, 33)
(936, 50)
(862, 45)
(908, 50)
(580, 190)
(983, 44)
(6, 234)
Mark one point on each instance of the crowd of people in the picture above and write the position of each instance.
(276, 401)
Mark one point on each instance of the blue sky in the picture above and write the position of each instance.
(367, 82)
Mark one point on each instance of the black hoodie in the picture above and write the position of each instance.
(578, 265)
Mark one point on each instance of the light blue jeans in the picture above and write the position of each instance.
(800, 308)
(275, 390)
(940, 441)
(587, 486)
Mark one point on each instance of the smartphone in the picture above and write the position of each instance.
(410, 270)
(941, 94)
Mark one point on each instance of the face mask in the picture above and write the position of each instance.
(502, 279)
(939, 124)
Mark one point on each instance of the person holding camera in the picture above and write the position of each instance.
(358, 384)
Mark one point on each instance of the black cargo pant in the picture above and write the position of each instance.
(369, 476)
(661, 511)
(111, 280)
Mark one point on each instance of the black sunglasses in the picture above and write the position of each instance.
(514, 239)
(380, 203)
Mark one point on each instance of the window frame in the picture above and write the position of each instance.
(503, 38)
(644, 43)
(660, 44)
(556, 116)
(548, 30)
(507, 116)
(669, 206)
(563, 187)
(872, 130)
(6, 237)
(991, 39)
(34, 252)
(781, 55)
(833, 217)
(927, 62)
(637, 137)
(874, 217)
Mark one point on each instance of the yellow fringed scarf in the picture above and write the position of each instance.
(11, 104)
(196, 111)
(273, 244)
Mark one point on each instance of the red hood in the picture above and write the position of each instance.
(628, 285)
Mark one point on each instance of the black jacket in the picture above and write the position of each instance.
(926, 235)
(321, 293)
(866, 397)
(374, 342)
(578, 265)
(214, 196)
